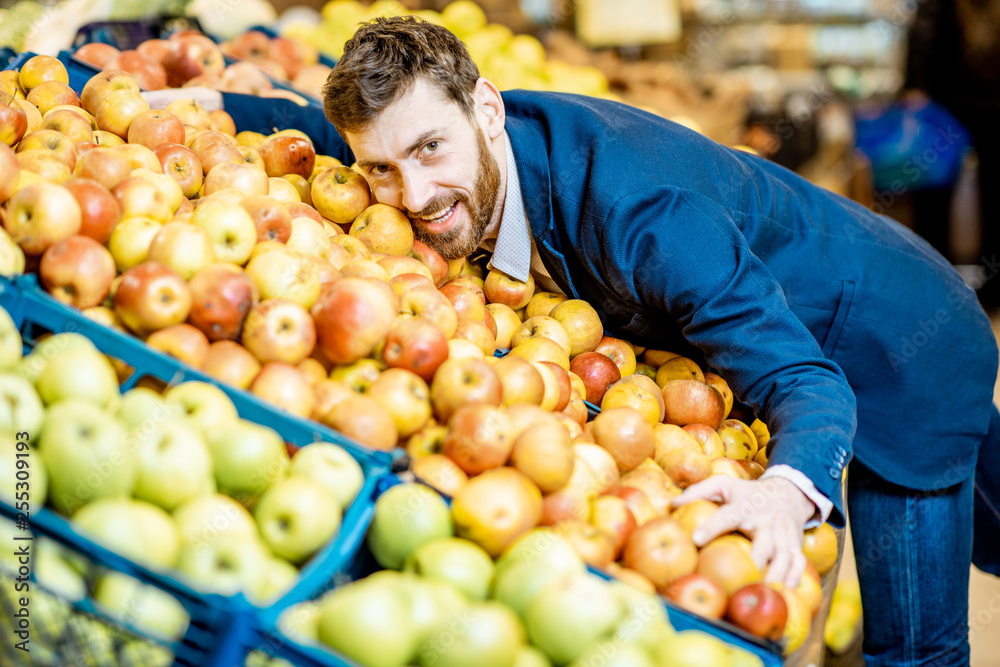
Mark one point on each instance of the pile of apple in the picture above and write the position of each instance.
(445, 601)
(509, 60)
(174, 482)
(189, 58)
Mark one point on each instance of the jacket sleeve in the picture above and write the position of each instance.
(679, 252)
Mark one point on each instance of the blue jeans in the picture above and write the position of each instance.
(913, 550)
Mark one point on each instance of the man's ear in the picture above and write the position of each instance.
(489, 108)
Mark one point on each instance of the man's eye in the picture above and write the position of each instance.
(380, 169)
(431, 146)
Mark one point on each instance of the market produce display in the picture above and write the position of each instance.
(176, 482)
(270, 268)
(445, 600)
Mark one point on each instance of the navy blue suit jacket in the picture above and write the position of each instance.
(802, 300)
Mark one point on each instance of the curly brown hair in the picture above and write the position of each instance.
(383, 60)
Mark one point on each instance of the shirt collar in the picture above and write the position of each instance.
(512, 253)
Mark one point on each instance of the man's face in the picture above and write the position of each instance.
(424, 156)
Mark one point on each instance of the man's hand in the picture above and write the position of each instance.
(772, 510)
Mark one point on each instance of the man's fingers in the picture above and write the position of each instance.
(716, 489)
(725, 520)
(762, 548)
(780, 560)
(797, 566)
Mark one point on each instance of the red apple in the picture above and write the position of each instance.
(432, 260)
(77, 271)
(13, 124)
(40, 215)
(692, 402)
(282, 385)
(478, 438)
(183, 342)
(98, 208)
(270, 216)
(287, 154)
(279, 330)
(222, 296)
(598, 373)
(104, 165)
(154, 128)
(698, 594)
(148, 72)
(353, 316)
(758, 609)
(416, 345)
(231, 363)
(661, 550)
(181, 164)
(193, 55)
(97, 54)
(590, 543)
(458, 382)
(150, 297)
(101, 84)
(10, 172)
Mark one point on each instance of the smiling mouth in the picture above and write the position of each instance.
(440, 216)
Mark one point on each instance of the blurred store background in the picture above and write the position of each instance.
(892, 103)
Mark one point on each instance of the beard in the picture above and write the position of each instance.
(462, 240)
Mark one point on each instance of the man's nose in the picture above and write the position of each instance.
(418, 190)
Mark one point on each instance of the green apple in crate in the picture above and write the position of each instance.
(80, 373)
(86, 453)
(297, 516)
(20, 408)
(457, 561)
(31, 366)
(406, 517)
(11, 347)
(174, 464)
(140, 605)
(246, 458)
(227, 565)
(333, 467)
(134, 528)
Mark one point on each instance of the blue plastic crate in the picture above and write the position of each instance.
(221, 627)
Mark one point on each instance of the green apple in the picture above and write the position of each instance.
(296, 517)
(133, 528)
(53, 570)
(11, 346)
(86, 454)
(570, 615)
(204, 404)
(141, 410)
(301, 621)
(21, 409)
(692, 648)
(174, 465)
(645, 622)
(78, 374)
(33, 485)
(141, 652)
(246, 458)
(544, 546)
(227, 565)
(140, 605)
(47, 349)
(204, 518)
(529, 656)
(370, 623)
(464, 564)
(406, 516)
(434, 605)
(518, 584)
(490, 635)
(280, 576)
(332, 466)
(615, 654)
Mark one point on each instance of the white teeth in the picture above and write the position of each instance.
(440, 216)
